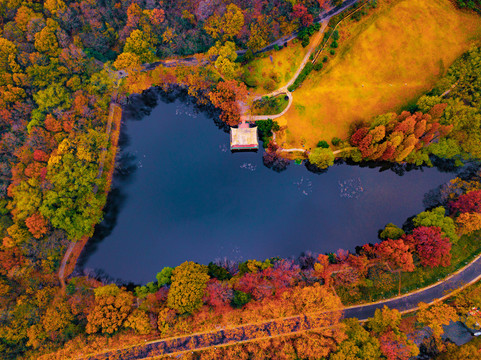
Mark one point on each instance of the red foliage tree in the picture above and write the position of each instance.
(469, 202)
(358, 136)
(157, 16)
(393, 347)
(218, 294)
(300, 12)
(271, 281)
(52, 124)
(396, 254)
(41, 156)
(432, 247)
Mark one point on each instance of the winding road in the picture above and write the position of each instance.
(295, 324)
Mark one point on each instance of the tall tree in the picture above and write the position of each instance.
(226, 97)
(112, 307)
(189, 281)
(432, 247)
(396, 254)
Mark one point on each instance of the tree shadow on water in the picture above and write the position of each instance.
(125, 169)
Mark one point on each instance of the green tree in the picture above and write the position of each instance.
(189, 281)
(142, 45)
(391, 231)
(164, 277)
(73, 201)
(240, 299)
(321, 157)
(359, 345)
(436, 217)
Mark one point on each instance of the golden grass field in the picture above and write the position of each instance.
(284, 65)
(384, 62)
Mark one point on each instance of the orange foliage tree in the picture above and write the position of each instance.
(112, 307)
(226, 97)
(396, 255)
(37, 225)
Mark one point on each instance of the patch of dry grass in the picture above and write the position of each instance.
(278, 71)
(384, 62)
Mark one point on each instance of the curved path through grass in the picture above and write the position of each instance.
(314, 42)
(296, 324)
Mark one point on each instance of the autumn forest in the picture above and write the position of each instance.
(69, 69)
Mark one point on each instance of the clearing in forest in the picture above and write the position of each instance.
(384, 62)
(273, 69)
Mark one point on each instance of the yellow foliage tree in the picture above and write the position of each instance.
(139, 321)
(189, 281)
(46, 40)
(53, 6)
(435, 317)
(468, 222)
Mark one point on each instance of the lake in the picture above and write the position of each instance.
(180, 194)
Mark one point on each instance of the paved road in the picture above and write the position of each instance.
(467, 275)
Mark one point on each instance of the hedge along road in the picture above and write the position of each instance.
(299, 324)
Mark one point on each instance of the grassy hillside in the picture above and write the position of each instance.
(384, 62)
(273, 69)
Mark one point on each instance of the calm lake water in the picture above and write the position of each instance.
(182, 195)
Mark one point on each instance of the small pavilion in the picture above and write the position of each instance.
(243, 137)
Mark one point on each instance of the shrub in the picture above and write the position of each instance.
(322, 158)
(270, 85)
(240, 299)
(323, 144)
(335, 35)
(335, 141)
(325, 58)
(276, 47)
(318, 66)
(218, 272)
(332, 52)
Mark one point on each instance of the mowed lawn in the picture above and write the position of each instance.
(388, 60)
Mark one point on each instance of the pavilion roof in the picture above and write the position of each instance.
(243, 138)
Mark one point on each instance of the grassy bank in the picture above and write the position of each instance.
(384, 62)
(463, 252)
(270, 105)
(273, 69)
